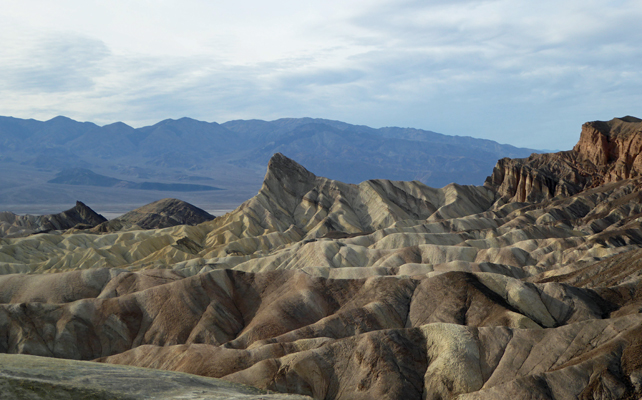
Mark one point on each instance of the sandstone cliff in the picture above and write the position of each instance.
(606, 152)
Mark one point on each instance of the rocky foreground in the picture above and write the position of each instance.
(528, 287)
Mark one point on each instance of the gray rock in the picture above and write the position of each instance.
(25, 377)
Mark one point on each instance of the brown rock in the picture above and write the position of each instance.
(606, 152)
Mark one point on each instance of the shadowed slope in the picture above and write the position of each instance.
(380, 337)
(80, 216)
(159, 214)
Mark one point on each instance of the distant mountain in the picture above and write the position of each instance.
(82, 176)
(356, 155)
(231, 155)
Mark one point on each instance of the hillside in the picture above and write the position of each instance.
(78, 217)
(383, 289)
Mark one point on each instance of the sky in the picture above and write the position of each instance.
(523, 72)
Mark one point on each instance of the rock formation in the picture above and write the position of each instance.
(529, 287)
(606, 152)
(613, 147)
(79, 217)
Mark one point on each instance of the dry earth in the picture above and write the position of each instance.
(528, 287)
(37, 378)
(80, 216)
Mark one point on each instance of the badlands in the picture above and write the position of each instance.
(528, 287)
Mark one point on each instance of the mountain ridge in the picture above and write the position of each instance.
(212, 145)
(383, 289)
(78, 217)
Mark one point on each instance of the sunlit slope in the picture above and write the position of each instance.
(381, 337)
(332, 229)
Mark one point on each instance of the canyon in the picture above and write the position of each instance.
(528, 287)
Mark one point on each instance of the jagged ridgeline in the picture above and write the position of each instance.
(528, 287)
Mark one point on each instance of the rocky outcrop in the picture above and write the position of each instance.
(159, 214)
(614, 147)
(294, 199)
(78, 217)
(606, 152)
(540, 177)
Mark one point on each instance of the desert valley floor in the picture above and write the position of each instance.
(529, 287)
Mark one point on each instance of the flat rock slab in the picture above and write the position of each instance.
(31, 377)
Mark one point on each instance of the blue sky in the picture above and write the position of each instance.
(520, 72)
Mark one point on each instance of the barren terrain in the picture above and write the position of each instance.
(529, 287)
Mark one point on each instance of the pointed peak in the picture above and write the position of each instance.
(90, 216)
(281, 166)
(286, 178)
(279, 158)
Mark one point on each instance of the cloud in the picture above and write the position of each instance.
(51, 64)
(513, 71)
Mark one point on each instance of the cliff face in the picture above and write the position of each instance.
(606, 152)
(614, 147)
(539, 177)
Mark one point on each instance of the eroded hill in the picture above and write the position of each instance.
(527, 287)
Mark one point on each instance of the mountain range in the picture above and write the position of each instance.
(229, 156)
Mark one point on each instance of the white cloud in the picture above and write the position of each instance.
(510, 70)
